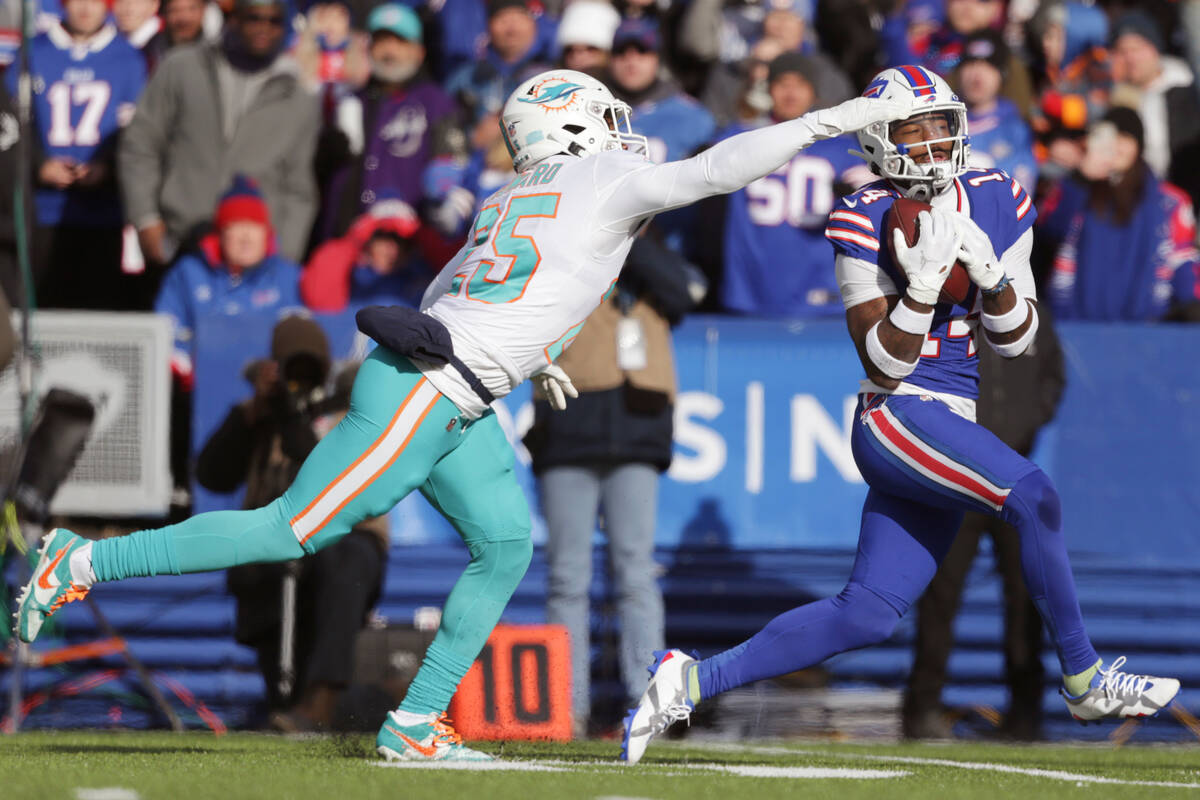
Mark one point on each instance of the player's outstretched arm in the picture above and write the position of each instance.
(739, 160)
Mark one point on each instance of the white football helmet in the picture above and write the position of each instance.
(564, 112)
(925, 93)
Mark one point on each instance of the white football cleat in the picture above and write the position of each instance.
(665, 702)
(1121, 694)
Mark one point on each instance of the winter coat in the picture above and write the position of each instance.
(174, 159)
(1135, 271)
(621, 416)
(200, 283)
(332, 281)
(1170, 112)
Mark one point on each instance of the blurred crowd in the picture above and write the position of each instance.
(217, 156)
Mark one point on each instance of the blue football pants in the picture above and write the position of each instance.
(925, 467)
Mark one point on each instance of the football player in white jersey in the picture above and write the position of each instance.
(541, 254)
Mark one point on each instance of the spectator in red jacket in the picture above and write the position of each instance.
(380, 260)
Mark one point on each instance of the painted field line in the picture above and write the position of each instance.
(1052, 774)
(474, 766)
(679, 770)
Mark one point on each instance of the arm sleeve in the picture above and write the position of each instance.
(1015, 262)
(725, 167)
(860, 280)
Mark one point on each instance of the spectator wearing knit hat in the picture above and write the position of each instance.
(86, 78)
(585, 34)
(215, 110)
(236, 269)
(1161, 88)
(1000, 136)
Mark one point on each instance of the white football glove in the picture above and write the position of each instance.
(853, 115)
(977, 255)
(555, 384)
(927, 263)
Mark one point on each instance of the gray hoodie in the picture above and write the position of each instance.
(179, 153)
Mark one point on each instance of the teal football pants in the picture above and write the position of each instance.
(400, 434)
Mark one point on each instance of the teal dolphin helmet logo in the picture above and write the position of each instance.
(554, 94)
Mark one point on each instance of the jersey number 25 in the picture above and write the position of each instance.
(503, 276)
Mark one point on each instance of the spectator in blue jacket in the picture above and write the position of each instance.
(234, 270)
(1126, 241)
(1000, 136)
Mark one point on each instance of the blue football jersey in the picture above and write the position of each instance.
(998, 204)
(82, 95)
(777, 262)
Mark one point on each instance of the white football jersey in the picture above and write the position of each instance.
(546, 249)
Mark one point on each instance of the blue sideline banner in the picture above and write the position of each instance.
(762, 435)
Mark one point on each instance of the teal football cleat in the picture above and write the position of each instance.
(433, 739)
(1121, 694)
(665, 702)
(51, 585)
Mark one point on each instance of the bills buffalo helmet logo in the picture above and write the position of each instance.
(876, 88)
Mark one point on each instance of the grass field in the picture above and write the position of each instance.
(100, 765)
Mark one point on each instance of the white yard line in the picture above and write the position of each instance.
(475, 766)
(678, 770)
(1052, 774)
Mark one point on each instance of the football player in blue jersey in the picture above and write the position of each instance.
(915, 440)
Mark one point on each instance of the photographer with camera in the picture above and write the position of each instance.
(261, 443)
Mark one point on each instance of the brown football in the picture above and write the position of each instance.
(903, 215)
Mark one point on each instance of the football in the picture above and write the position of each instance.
(903, 215)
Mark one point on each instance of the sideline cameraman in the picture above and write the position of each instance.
(262, 443)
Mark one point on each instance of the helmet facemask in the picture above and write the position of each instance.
(610, 122)
(922, 180)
